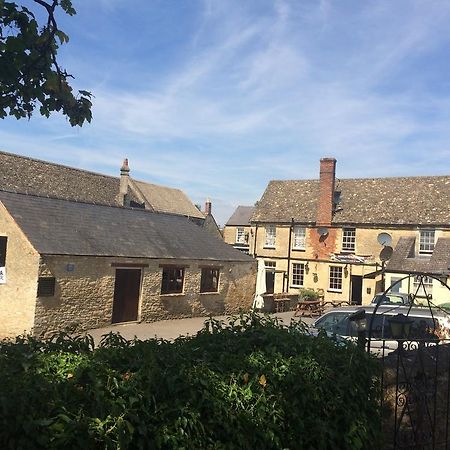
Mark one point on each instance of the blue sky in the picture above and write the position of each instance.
(217, 97)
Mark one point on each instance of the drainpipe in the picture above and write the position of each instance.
(289, 254)
(254, 242)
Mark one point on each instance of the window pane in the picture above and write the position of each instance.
(270, 236)
(299, 238)
(426, 243)
(3, 240)
(335, 278)
(46, 286)
(423, 286)
(210, 280)
(298, 273)
(240, 236)
(172, 280)
(349, 239)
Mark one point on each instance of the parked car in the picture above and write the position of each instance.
(426, 324)
(397, 298)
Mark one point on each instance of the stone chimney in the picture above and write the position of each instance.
(124, 178)
(208, 206)
(326, 192)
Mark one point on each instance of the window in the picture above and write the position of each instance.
(270, 265)
(426, 242)
(46, 286)
(335, 278)
(271, 233)
(348, 239)
(298, 274)
(210, 280)
(423, 288)
(172, 280)
(240, 235)
(299, 238)
(3, 240)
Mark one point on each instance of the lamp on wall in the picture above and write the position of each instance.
(307, 267)
(346, 271)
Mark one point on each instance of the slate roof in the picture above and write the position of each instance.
(32, 176)
(404, 259)
(61, 227)
(165, 199)
(376, 201)
(241, 216)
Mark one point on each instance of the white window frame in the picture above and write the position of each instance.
(427, 241)
(299, 238)
(240, 235)
(271, 236)
(349, 240)
(427, 283)
(335, 278)
(298, 274)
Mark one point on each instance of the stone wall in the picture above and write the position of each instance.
(18, 295)
(318, 253)
(84, 296)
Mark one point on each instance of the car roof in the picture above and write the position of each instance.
(392, 309)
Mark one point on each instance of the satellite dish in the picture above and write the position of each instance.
(386, 253)
(323, 231)
(384, 239)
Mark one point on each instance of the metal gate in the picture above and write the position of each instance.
(415, 374)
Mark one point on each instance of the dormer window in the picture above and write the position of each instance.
(426, 242)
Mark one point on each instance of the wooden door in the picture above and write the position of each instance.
(126, 295)
(356, 281)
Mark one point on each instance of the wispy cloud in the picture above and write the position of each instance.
(220, 97)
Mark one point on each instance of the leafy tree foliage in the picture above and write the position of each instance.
(30, 75)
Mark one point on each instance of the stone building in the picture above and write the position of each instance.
(238, 230)
(74, 266)
(338, 234)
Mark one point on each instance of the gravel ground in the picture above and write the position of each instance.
(170, 329)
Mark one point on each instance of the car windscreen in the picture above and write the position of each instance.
(334, 322)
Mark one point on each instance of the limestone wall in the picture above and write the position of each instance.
(18, 295)
(84, 295)
(319, 253)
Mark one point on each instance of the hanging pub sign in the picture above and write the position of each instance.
(2, 275)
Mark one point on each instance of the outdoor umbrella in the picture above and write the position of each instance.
(258, 301)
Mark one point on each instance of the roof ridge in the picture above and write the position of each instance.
(408, 177)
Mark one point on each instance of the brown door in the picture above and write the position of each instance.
(126, 295)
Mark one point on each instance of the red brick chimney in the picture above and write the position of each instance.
(326, 192)
(208, 206)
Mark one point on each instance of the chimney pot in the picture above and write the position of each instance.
(125, 167)
(208, 206)
(326, 192)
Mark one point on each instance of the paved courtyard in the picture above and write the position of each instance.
(171, 329)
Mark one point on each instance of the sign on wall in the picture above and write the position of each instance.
(2, 275)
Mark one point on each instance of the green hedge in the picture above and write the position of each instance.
(250, 385)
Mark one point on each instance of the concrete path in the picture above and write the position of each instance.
(171, 329)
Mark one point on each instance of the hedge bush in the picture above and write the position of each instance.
(252, 384)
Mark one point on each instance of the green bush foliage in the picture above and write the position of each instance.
(251, 384)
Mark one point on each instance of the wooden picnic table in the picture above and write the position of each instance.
(335, 303)
(309, 308)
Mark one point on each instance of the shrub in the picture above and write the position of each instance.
(251, 384)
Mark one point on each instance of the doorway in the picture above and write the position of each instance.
(270, 276)
(126, 295)
(356, 290)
